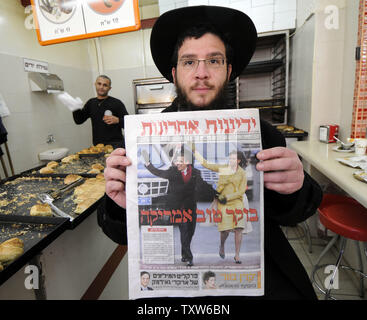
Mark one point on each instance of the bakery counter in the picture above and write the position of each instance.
(323, 157)
(67, 267)
(29, 225)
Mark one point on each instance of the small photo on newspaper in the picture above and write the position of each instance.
(195, 204)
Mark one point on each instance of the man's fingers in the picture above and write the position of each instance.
(113, 186)
(114, 174)
(277, 152)
(283, 177)
(279, 164)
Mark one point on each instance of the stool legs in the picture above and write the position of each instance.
(360, 268)
(316, 267)
(308, 233)
(341, 252)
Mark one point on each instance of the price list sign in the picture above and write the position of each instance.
(68, 20)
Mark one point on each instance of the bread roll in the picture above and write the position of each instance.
(11, 249)
(94, 171)
(70, 158)
(108, 148)
(100, 176)
(97, 166)
(43, 210)
(52, 164)
(70, 178)
(46, 170)
(100, 145)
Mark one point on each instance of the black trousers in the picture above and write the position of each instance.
(187, 231)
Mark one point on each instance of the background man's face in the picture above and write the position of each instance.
(202, 85)
(145, 280)
(102, 86)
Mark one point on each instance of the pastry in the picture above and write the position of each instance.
(11, 249)
(100, 176)
(100, 145)
(70, 158)
(70, 178)
(46, 170)
(108, 148)
(97, 166)
(52, 164)
(94, 171)
(84, 205)
(43, 210)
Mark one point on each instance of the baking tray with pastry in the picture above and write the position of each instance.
(23, 237)
(28, 196)
(72, 164)
(80, 201)
(291, 132)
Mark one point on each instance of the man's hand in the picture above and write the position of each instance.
(222, 199)
(115, 175)
(70, 102)
(283, 170)
(111, 119)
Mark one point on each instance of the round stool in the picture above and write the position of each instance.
(348, 220)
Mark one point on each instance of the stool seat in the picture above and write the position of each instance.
(344, 216)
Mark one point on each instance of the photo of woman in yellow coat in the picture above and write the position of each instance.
(231, 188)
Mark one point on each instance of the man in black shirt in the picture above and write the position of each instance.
(106, 113)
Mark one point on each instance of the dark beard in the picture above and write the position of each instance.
(218, 103)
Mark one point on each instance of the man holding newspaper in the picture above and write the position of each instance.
(200, 49)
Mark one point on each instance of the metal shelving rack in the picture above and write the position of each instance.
(268, 71)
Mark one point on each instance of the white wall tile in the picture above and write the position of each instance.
(181, 4)
(285, 5)
(197, 2)
(222, 3)
(166, 7)
(284, 20)
(260, 3)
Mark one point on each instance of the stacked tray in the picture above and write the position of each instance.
(35, 232)
(20, 192)
(80, 166)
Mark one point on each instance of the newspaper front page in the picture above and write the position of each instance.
(194, 204)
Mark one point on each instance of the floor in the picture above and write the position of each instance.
(348, 282)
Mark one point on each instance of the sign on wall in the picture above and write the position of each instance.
(68, 20)
(31, 65)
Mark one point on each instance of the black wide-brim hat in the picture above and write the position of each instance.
(236, 26)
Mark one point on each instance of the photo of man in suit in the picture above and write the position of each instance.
(185, 183)
(144, 281)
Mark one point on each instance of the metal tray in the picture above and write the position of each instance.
(19, 193)
(36, 232)
(81, 166)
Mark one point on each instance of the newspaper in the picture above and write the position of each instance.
(186, 188)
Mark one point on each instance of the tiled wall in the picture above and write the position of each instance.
(268, 15)
(359, 119)
(34, 115)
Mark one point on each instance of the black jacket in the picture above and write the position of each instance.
(285, 276)
(181, 195)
